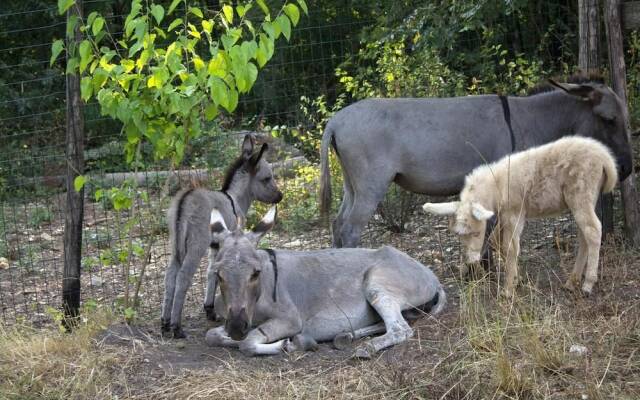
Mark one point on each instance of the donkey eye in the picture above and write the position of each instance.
(267, 179)
(255, 275)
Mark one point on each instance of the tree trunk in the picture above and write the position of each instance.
(75, 204)
(589, 63)
(619, 85)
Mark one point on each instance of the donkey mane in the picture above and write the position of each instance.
(231, 172)
(579, 78)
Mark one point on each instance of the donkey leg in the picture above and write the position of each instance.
(397, 329)
(218, 337)
(169, 290)
(592, 230)
(212, 285)
(365, 200)
(271, 337)
(575, 277)
(183, 283)
(345, 207)
(301, 342)
(343, 340)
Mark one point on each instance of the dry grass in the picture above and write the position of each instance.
(482, 347)
(49, 364)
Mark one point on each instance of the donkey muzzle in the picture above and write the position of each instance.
(237, 325)
(624, 167)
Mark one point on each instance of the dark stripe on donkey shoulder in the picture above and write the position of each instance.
(178, 218)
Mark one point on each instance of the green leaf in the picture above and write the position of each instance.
(86, 55)
(228, 13)
(263, 6)
(91, 17)
(158, 12)
(303, 5)
(207, 25)
(72, 65)
(86, 87)
(196, 11)
(175, 23)
(56, 49)
(219, 91)
(97, 25)
(233, 101)
(210, 111)
(99, 194)
(261, 56)
(252, 74)
(64, 5)
(240, 10)
(173, 6)
(72, 21)
(285, 26)
(99, 78)
(269, 29)
(293, 13)
(78, 182)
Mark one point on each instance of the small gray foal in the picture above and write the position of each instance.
(249, 178)
(267, 297)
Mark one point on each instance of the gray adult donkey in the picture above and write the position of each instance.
(428, 146)
(269, 296)
(249, 178)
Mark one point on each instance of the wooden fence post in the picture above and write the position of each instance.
(619, 84)
(589, 62)
(74, 211)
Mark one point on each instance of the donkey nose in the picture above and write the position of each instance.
(278, 197)
(238, 324)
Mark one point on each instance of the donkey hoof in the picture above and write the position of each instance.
(211, 312)
(165, 327)
(178, 333)
(365, 352)
(343, 340)
(570, 285)
(586, 291)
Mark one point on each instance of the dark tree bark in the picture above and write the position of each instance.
(75, 200)
(619, 85)
(589, 62)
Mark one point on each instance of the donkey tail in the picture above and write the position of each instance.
(442, 302)
(611, 174)
(325, 173)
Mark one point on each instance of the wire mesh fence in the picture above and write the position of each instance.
(123, 257)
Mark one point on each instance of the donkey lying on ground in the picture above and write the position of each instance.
(270, 296)
(249, 178)
(428, 145)
(540, 182)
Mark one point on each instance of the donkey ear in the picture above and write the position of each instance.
(480, 213)
(217, 227)
(448, 208)
(256, 159)
(584, 91)
(247, 146)
(265, 225)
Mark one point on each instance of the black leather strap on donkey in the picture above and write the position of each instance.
(507, 118)
(274, 262)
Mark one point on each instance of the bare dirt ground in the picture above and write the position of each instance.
(547, 343)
